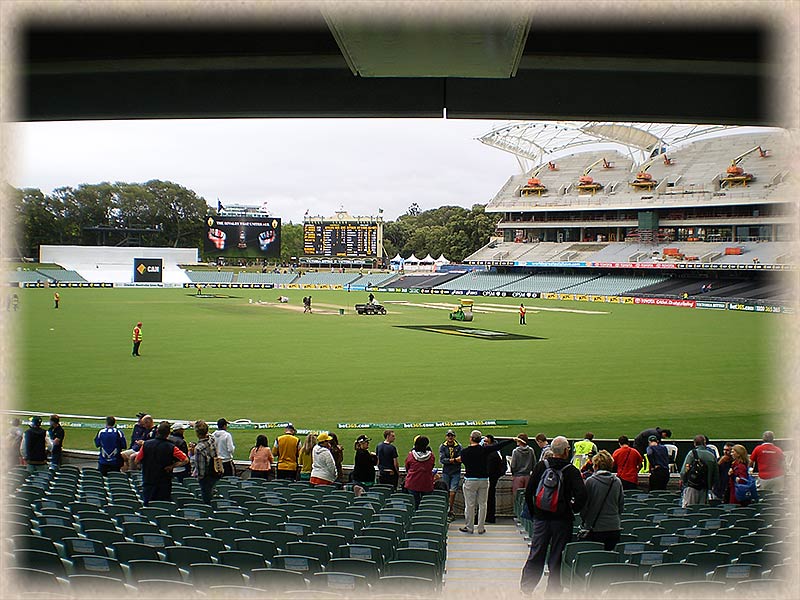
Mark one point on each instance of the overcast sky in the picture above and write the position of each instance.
(293, 164)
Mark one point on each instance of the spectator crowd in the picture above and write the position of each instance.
(560, 481)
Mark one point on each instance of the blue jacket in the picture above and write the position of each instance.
(111, 442)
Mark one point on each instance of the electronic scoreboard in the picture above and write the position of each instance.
(340, 239)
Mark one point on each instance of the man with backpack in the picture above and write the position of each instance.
(554, 494)
(699, 473)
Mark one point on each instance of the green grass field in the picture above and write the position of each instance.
(618, 372)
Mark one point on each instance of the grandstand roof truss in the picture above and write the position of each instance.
(538, 141)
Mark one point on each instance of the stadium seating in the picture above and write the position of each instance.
(210, 276)
(273, 278)
(323, 278)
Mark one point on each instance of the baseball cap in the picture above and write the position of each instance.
(180, 425)
(359, 439)
(222, 422)
(323, 437)
(652, 438)
(450, 432)
(290, 426)
(36, 421)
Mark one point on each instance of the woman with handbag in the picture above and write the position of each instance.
(738, 474)
(601, 513)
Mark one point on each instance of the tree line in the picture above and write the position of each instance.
(170, 215)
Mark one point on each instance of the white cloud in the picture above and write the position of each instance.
(294, 165)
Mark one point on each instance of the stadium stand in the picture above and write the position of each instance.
(481, 281)
(613, 285)
(24, 276)
(318, 278)
(273, 278)
(210, 276)
(733, 547)
(421, 281)
(115, 264)
(547, 282)
(60, 540)
(376, 279)
(62, 275)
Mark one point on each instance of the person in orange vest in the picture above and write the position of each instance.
(56, 298)
(522, 312)
(137, 338)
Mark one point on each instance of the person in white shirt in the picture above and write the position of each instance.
(223, 440)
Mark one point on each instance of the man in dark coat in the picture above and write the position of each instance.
(552, 530)
(158, 457)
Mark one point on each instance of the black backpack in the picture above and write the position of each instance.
(697, 473)
(549, 488)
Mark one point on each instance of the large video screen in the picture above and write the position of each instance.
(340, 239)
(242, 237)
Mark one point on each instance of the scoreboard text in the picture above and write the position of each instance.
(340, 239)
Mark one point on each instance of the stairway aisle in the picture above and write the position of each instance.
(492, 561)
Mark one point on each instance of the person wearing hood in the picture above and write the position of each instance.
(522, 459)
(606, 500)
(323, 471)
(419, 469)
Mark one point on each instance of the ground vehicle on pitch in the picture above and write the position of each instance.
(370, 309)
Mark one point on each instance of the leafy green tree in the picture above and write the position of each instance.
(291, 241)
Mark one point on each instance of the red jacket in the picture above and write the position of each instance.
(419, 471)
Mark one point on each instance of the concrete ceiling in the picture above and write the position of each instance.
(513, 68)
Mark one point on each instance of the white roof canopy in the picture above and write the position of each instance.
(412, 259)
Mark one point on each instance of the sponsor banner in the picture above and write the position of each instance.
(258, 286)
(631, 265)
(769, 309)
(613, 299)
(626, 300)
(435, 424)
(337, 287)
(666, 302)
(560, 264)
(550, 296)
(566, 296)
(712, 305)
(757, 308)
(141, 285)
(524, 294)
(582, 297)
(598, 298)
(147, 270)
(745, 307)
(292, 286)
(496, 294)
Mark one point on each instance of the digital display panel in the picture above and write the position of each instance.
(242, 237)
(340, 239)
